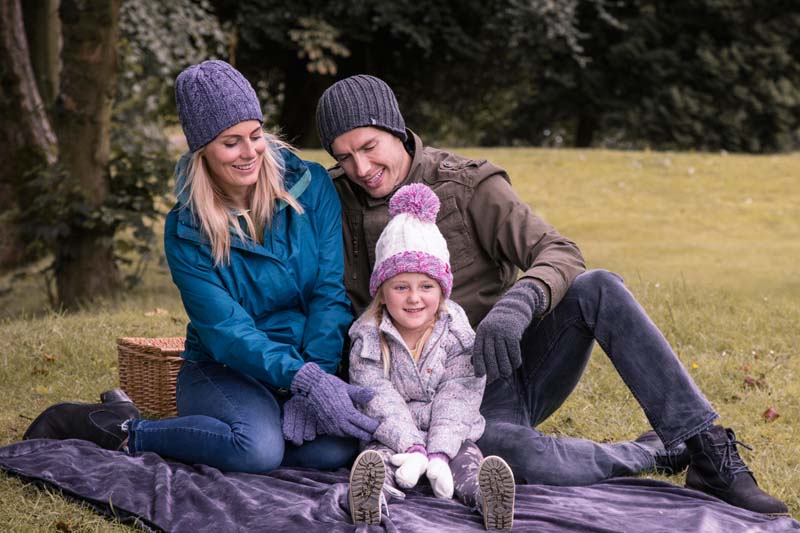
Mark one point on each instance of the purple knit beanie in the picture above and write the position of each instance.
(411, 241)
(211, 97)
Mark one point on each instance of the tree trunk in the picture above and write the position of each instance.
(587, 125)
(27, 141)
(84, 264)
(43, 28)
(301, 93)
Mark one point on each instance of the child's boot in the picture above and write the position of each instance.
(366, 484)
(497, 490)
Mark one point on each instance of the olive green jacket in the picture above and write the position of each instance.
(490, 232)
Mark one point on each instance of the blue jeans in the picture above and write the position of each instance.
(232, 422)
(555, 351)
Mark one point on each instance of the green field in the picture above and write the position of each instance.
(709, 243)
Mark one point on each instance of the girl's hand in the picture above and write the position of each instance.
(440, 475)
(412, 466)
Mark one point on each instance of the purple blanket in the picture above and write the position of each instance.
(170, 496)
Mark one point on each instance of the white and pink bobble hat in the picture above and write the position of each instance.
(411, 242)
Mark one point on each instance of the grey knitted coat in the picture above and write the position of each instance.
(435, 402)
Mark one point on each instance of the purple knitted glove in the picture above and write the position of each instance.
(299, 421)
(332, 401)
(496, 352)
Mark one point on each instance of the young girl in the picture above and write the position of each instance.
(412, 346)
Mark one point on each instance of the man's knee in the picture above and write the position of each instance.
(526, 450)
(594, 281)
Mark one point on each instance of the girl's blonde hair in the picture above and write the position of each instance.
(212, 208)
(374, 311)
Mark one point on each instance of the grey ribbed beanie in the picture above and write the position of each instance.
(212, 96)
(354, 102)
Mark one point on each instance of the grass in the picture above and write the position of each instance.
(709, 243)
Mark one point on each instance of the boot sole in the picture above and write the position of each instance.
(498, 490)
(710, 492)
(366, 482)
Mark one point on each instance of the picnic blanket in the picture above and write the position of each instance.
(158, 494)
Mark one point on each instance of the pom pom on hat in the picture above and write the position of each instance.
(417, 200)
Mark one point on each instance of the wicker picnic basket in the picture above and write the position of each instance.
(148, 369)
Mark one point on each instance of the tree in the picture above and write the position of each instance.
(706, 74)
(84, 253)
(713, 74)
(293, 52)
(87, 179)
(27, 141)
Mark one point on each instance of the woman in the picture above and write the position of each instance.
(254, 245)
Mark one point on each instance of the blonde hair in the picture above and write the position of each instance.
(212, 208)
(374, 311)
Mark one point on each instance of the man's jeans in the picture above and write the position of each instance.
(232, 422)
(555, 350)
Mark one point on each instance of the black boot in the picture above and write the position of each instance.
(717, 469)
(96, 422)
(671, 461)
(114, 395)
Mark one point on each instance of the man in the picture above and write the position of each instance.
(535, 334)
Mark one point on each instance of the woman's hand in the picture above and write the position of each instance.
(333, 402)
(299, 420)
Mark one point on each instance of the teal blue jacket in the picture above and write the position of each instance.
(277, 305)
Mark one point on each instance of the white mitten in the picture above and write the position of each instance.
(412, 465)
(440, 476)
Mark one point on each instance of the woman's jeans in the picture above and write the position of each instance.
(555, 350)
(232, 422)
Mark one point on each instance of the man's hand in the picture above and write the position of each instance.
(496, 352)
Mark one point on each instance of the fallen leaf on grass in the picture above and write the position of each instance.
(64, 527)
(750, 381)
(770, 415)
(42, 390)
(157, 312)
(49, 358)
(695, 366)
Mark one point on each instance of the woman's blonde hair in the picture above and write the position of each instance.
(374, 311)
(212, 207)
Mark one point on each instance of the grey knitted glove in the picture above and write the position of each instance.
(299, 420)
(332, 401)
(496, 352)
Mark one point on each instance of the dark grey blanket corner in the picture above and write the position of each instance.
(157, 494)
